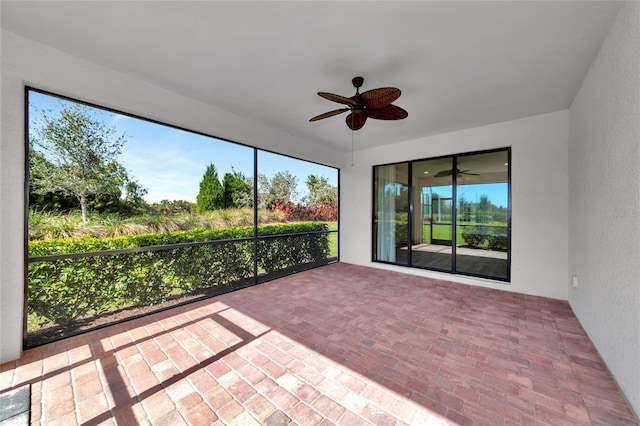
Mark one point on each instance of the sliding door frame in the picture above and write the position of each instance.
(454, 213)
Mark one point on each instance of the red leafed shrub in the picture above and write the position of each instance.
(316, 212)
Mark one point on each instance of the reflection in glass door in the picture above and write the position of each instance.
(432, 238)
(482, 207)
(441, 207)
(391, 213)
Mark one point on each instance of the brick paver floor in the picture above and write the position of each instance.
(341, 344)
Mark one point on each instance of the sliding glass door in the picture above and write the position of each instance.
(482, 200)
(432, 189)
(391, 213)
(448, 214)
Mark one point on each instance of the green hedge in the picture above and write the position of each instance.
(64, 290)
(401, 235)
(491, 237)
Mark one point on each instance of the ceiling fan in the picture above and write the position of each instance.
(444, 173)
(375, 103)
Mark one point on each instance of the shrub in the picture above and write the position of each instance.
(400, 235)
(475, 236)
(288, 251)
(61, 291)
(498, 242)
(45, 225)
(480, 237)
(402, 232)
(299, 212)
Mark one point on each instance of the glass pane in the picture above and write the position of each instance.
(285, 254)
(482, 203)
(127, 216)
(433, 204)
(100, 181)
(391, 213)
(295, 197)
(125, 176)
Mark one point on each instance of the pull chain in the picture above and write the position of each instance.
(352, 132)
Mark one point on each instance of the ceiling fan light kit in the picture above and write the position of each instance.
(375, 103)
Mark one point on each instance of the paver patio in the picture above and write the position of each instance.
(341, 344)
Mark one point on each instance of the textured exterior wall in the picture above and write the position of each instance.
(539, 249)
(604, 203)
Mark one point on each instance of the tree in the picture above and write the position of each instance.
(483, 211)
(134, 197)
(210, 196)
(320, 191)
(235, 189)
(245, 199)
(264, 188)
(500, 214)
(282, 188)
(464, 209)
(46, 201)
(78, 156)
(173, 207)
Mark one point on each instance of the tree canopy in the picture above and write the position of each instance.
(235, 190)
(76, 154)
(210, 196)
(320, 191)
(283, 187)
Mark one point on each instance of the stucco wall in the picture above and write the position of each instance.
(539, 261)
(604, 202)
(25, 62)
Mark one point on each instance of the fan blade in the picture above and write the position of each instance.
(443, 173)
(339, 99)
(329, 114)
(464, 172)
(379, 98)
(356, 120)
(390, 112)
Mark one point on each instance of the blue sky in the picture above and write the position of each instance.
(170, 163)
(497, 192)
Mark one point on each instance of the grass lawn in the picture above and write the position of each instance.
(333, 239)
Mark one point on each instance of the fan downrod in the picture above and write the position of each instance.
(357, 82)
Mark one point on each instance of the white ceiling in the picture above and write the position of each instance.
(458, 64)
